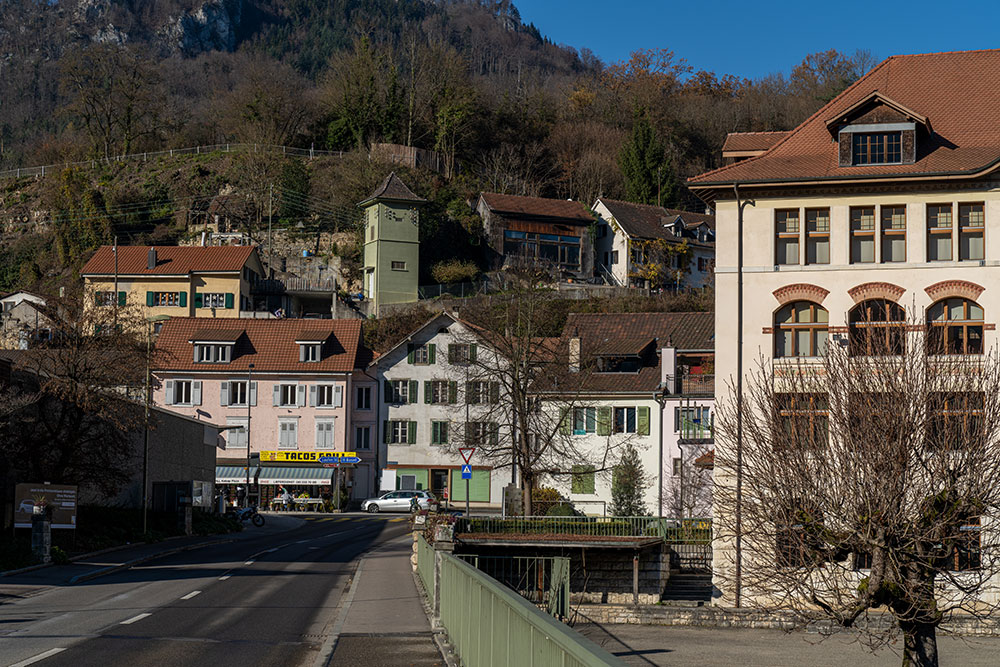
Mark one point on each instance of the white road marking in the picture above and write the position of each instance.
(190, 595)
(41, 656)
(134, 619)
(249, 562)
(224, 577)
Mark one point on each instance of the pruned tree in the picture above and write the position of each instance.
(864, 485)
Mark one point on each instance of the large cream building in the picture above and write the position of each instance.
(886, 202)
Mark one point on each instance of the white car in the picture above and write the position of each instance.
(399, 501)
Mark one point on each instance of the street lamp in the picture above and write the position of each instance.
(246, 501)
(145, 433)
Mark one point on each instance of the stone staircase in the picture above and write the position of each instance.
(688, 588)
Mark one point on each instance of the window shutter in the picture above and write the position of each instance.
(253, 393)
(385, 432)
(604, 420)
(338, 396)
(229, 299)
(223, 393)
(643, 419)
(435, 433)
(199, 299)
(196, 350)
(409, 353)
(196, 392)
(494, 393)
(472, 352)
(431, 352)
(468, 392)
(312, 396)
(565, 425)
(386, 391)
(452, 392)
(183, 299)
(276, 394)
(414, 391)
(149, 298)
(121, 298)
(427, 391)
(170, 392)
(411, 433)
(301, 402)
(97, 298)
(494, 434)
(302, 353)
(451, 353)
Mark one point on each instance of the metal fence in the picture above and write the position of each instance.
(672, 531)
(459, 290)
(542, 580)
(425, 567)
(490, 626)
(24, 172)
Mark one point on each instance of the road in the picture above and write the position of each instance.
(260, 601)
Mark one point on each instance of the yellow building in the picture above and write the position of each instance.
(179, 281)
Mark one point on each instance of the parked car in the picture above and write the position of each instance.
(399, 501)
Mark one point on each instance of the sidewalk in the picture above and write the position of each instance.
(90, 566)
(382, 623)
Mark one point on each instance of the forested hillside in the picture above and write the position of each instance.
(508, 110)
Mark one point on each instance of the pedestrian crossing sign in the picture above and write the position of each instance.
(466, 471)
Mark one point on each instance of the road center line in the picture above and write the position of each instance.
(190, 595)
(41, 656)
(249, 562)
(135, 618)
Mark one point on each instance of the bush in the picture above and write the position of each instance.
(543, 499)
(562, 509)
(59, 557)
(454, 271)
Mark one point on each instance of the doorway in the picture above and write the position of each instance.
(439, 483)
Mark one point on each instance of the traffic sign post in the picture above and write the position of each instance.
(467, 453)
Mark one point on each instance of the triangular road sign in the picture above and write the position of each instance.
(466, 453)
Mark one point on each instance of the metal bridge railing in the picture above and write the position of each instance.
(541, 580)
(672, 531)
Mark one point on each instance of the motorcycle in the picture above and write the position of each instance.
(251, 514)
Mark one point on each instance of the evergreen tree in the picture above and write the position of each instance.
(628, 482)
(645, 167)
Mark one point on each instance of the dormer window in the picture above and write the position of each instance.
(309, 352)
(877, 148)
(213, 353)
(311, 345)
(877, 130)
(619, 364)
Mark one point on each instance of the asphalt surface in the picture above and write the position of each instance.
(267, 600)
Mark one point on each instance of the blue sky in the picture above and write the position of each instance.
(754, 38)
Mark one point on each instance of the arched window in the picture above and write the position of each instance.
(800, 330)
(955, 326)
(877, 328)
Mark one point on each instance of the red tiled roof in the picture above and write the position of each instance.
(170, 260)
(538, 207)
(751, 141)
(644, 221)
(958, 93)
(268, 344)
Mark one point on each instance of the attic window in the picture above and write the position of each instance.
(619, 364)
(309, 352)
(212, 353)
(876, 148)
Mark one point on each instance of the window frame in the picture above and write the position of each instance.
(362, 398)
(813, 326)
(328, 424)
(629, 423)
(439, 394)
(782, 216)
(969, 229)
(877, 148)
(440, 431)
(243, 388)
(891, 231)
(400, 397)
(290, 388)
(863, 231)
(242, 442)
(326, 388)
(893, 327)
(166, 299)
(964, 324)
(363, 445)
(397, 265)
(288, 425)
(812, 409)
(816, 236)
(396, 426)
(189, 384)
(937, 230)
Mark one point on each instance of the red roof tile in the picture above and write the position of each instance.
(538, 207)
(957, 92)
(170, 260)
(268, 344)
(751, 141)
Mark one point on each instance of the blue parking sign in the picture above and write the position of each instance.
(467, 471)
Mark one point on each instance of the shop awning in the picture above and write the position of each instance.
(313, 475)
(233, 474)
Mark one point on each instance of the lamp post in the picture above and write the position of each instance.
(145, 431)
(246, 502)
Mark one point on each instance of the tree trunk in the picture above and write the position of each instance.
(919, 645)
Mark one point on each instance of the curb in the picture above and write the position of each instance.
(111, 569)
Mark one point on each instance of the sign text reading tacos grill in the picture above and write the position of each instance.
(305, 457)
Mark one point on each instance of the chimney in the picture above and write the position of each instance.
(668, 369)
(574, 352)
(151, 258)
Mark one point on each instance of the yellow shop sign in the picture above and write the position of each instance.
(304, 457)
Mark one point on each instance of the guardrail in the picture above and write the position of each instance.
(459, 290)
(425, 567)
(24, 172)
(672, 531)
(541, 580)
(698, 384)
(490, 626)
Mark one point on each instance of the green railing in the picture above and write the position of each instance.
(490, 626)
(541, 580)
(425, 567)
(672, 531)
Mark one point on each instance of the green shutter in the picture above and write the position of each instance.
(435, 433)
(97, 298)
(472, 352)
(431, 352)
(411, 433)
(149, 298)
(199, 299)
(453, 392)
(604, 420)
(495, 393)
(468, 392)
(479, 486)
(230, 299)
(642, 415)
(566, 422)
(427, 391)
(385, 432)
(122, 296)
(409, 353)
(414, 391)
(183, 299)
(583, 479)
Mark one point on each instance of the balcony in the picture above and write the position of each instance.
(693, 431)
(697, 385)
(293, 285)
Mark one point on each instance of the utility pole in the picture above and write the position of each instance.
(246, 501)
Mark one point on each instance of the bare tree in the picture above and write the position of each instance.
(689, 491)
(862, 482)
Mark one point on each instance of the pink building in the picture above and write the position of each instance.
(298, 384)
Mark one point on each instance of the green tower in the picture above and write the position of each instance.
(392, 244)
